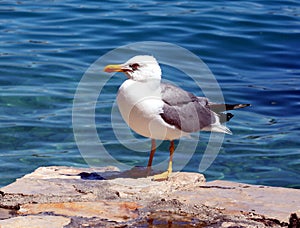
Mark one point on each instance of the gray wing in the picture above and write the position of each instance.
(174, 95)
(184, 110)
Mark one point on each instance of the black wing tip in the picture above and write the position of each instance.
(225, 117)
(218, 108)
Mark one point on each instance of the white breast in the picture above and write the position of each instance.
(140, 104)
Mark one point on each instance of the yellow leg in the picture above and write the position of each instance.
(165, 175)
(153, 148)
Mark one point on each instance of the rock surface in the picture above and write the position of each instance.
(106, 197)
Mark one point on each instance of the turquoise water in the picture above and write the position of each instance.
(252, 48)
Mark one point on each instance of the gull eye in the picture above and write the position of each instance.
(134, 66)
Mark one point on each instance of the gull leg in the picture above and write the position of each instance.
(165, 175)
(153, 148)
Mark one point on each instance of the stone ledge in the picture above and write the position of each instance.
(107, 197)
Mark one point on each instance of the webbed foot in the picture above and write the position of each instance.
(162, 176)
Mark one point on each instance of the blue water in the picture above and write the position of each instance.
(252, 48)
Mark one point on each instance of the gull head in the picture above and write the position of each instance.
(139, 68)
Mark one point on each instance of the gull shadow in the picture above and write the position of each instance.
(134, 173)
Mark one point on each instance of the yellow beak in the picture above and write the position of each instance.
(113, 68)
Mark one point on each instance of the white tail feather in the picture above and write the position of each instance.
(218, 128)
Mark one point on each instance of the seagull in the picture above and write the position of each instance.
(163, 111)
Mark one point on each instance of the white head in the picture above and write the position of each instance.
(139, 68)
